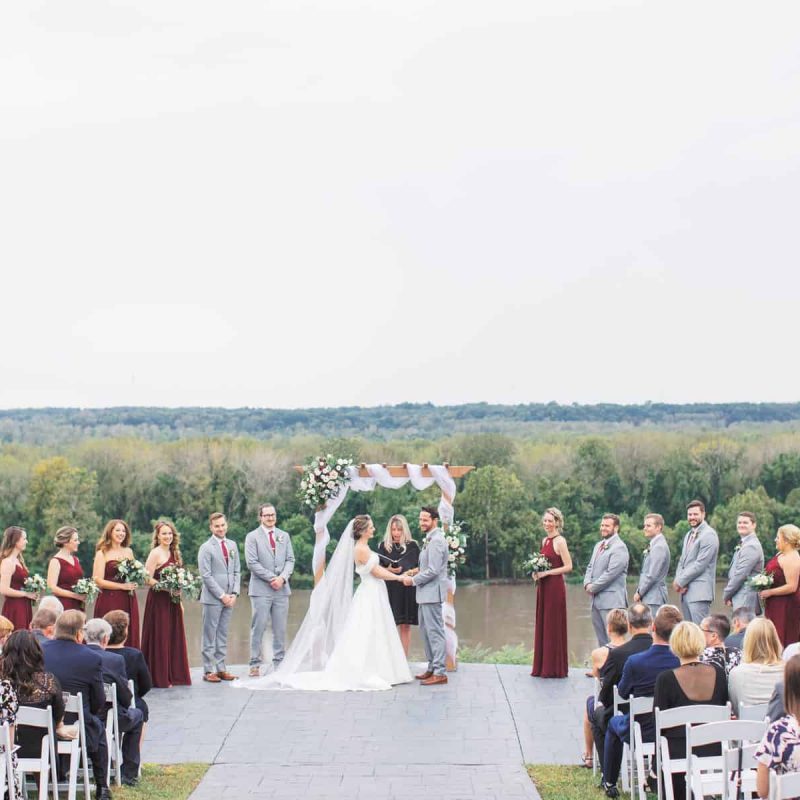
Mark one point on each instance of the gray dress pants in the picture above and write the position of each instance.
(274, 608)
(216, 619)
(431, 626)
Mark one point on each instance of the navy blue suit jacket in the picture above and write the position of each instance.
(114, 672)
(80, 669)
(639, 679)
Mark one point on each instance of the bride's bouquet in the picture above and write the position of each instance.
(761, 581)
(179, 581)
(88, 588)
(323, 478)
(456, 548)
(35, 583)
(536, 563)
(131, 570)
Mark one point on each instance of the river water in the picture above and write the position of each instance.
(489, 615)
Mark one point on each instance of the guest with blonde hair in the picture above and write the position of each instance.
(753, 681)
(399, 553)
(782, 599)
(6, 629)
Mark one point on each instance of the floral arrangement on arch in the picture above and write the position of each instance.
(456, 548)
(323, 478)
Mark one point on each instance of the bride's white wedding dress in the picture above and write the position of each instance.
(347, 642)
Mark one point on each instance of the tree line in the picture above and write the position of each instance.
(87, 482)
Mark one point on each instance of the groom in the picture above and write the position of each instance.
(431, 582)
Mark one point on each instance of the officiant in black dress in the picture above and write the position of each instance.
(399, 546)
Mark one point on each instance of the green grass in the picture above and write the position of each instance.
(559, 782)
(164, 782)
(507, 654)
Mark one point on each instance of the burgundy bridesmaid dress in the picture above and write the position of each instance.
(18, 610)
(550, 634)
(68, 575)
(783, 609)
(164, 638)
(119, 600)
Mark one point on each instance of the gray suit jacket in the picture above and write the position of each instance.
(264, 565)
(607, 571)
(218, 579)
(748, 560)
(655, 566)
(431, 580)
(697, 566)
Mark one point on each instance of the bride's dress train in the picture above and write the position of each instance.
(366, 652)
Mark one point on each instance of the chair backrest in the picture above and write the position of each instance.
(758, 711)
(6, 764)
(640, 705)
(784, 787)
(111, 693)
(695, 715)
(132, 688)
(34, 717)
(748, 730)
(617, 700)
(73, 703)
(731, 757)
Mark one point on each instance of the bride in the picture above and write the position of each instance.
(347, 642)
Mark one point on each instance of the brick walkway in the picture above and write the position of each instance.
(469, 739)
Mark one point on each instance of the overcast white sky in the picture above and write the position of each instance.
(327, 202)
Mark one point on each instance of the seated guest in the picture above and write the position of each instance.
(753, 681)
(791, 650)
(80, 669)
(640, 621)
(135, 665)
(6, 629)
(780, 748)
(43, 625)
(98, 632)
(23, 664)
(52, 602)
(692, 683)
(741, 618)
(716, 629)
(638, 680)
(617, 627)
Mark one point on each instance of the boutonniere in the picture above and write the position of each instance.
(603, 546)
(646, 551)
(279, 537)
(737, 548)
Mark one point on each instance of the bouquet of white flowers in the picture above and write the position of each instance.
(35, 583)
(456, 548)
(179, 581)
(131, 570)
(536, 563)
(761, 581)
(87, 587)
(322, 479)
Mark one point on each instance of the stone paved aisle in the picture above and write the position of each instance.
(469, 739)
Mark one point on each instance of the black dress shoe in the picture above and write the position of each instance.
(610, 789)
(129, 781)
(103, 794)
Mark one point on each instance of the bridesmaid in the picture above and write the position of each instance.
(399, 545)
(64, 569)
(550, 634)
(781, 600)
(113, 547)
(163, 634)
(18, 605)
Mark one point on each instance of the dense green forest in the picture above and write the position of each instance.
(85, 467)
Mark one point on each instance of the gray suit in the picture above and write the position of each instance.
(747, 561)
(653, 580)
(606, 572)
(219, 579)
(432, 583)
(697, 571)
(265, 602)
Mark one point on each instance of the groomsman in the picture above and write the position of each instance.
(747, 561)
(697, 566)
(218, 562)
(269, 556)
(652, 588)
(605, 576)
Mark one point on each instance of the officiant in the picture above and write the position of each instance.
(399, 553)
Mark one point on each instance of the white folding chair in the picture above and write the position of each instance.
(639, 748)
(112, 736)
(595, 755)
(758, 711)
(132, 687)
(731, 766)
(6, 763)
(704, 775)
(666, 766)
(625, 771)
(45, 765)
(784, 787)
(75, 748)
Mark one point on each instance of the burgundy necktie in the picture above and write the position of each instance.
(224, 550)
(271, 541)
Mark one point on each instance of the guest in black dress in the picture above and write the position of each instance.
(692, 683)
(399, 546)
